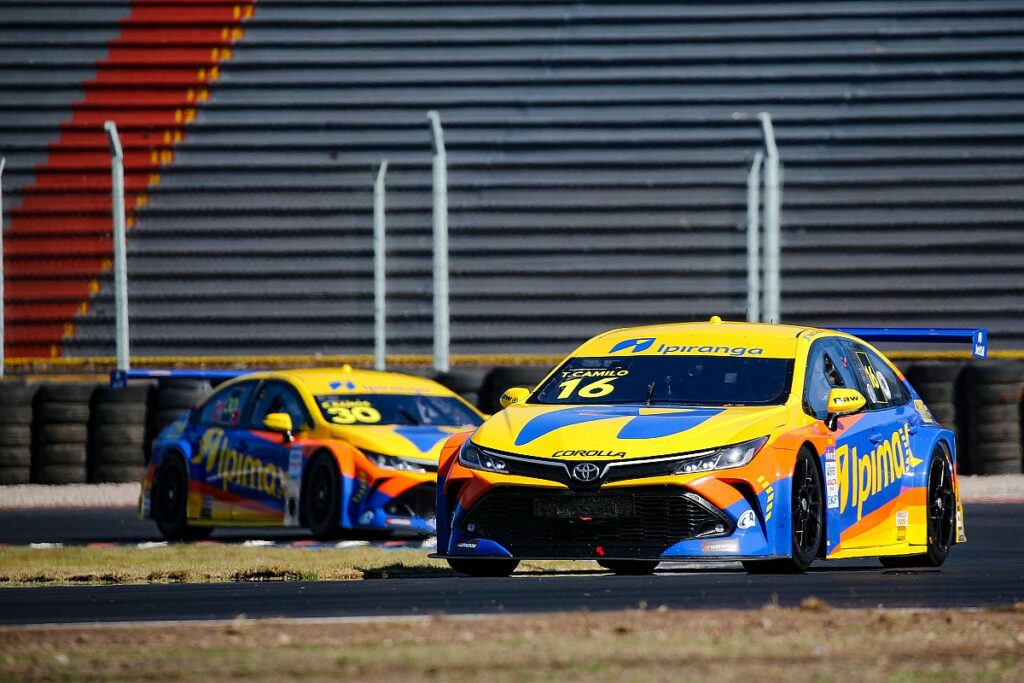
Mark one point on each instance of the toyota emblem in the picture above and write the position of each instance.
(586, 471)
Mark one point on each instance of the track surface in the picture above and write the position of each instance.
(988, 571)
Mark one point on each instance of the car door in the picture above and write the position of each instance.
(218, 449)
(272, 457)
(829, 366)
(879, 454)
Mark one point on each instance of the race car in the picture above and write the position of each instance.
(328, 449)
(774, 445)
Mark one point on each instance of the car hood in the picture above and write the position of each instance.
(409, 441)
(622, 431)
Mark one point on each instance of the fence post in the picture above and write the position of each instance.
(754, 239)
(3, 309)
(379, 271)
(120, 248)
(772, 207)
(441, 320)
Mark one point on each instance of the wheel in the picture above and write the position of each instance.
(630, 567)
(941, 518)
(170, 502)
(321, 499)
(483, 567)
(807, 522)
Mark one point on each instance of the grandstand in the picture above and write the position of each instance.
(597, 151)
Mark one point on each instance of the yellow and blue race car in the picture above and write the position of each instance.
(774, 445)
(327, 449)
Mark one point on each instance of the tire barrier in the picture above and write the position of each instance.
(117, 434)
(501, 378)
(15, 432)
(60, 433)
(465, 382)
(935, 383)
(989, 405)
(167, 401)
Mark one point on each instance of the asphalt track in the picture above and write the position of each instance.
(988, 571)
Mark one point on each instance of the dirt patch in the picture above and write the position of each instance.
(812, 643)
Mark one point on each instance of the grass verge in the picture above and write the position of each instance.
(192, 563)
(812, 643)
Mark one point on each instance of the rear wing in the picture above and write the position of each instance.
(119, 378)
(977, 338)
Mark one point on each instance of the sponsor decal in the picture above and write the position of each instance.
(746, 520)
(861, 477)
(831, 478)
(293, 485)
(589, 454)
(235, 468)
(635, 345)
(769, 492)
(901, 518)
(666, 349)
(467, 545)
(726, 545)
(508, 400)
(398, 521)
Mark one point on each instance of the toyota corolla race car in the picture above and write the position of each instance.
(771, 444)
(328, 449)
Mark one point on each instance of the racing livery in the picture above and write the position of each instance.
(329, 449)
(771, 444)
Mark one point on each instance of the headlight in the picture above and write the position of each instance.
(472, 457)
(724, 458)
(393, 462)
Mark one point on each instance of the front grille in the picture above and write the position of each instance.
(625, 522)
(419, 501)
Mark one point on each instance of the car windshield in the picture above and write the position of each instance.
(396, 409)
(669, 380)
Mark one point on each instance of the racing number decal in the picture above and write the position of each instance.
(351, 412)
(596, 389)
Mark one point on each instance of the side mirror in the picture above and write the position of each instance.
(279, 422)
(513, 396)
(843, 402)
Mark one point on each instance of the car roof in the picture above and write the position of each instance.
(347, 380)
(716, 337)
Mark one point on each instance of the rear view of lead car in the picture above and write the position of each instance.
(774, 445)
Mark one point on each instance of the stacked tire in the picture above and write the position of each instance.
(990, 398)
(465, 382)
(117, 434)
(935, 382)
(15, 433)
(501, 378)
(60, 433)
(167, 402)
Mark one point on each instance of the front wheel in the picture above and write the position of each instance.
(321, 499)
(170, 502)
(629, 567)
(807, 520)
(941, 518)
(483, 567)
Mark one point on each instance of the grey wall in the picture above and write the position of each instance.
(598, 158)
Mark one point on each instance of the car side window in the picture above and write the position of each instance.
(828, 368)
(226, 407)
(278, 397)
(882, 387)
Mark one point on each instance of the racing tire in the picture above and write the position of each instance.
(630, 567)
(118, 435)
(66, 392)
(15, 435)
(15, 415)
(60, 454)
(64, 433)
(941, 517)
(321, 498)
(119, 413)
(500, 379)
(68, 413)
(170, 502)
(116, 474)
(807, 520)
(15, 456)
(13, 475)
(462, 380)
(483, 568)
(58, 474)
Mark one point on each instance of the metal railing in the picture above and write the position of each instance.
(764, 306)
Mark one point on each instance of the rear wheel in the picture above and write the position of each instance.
(629, 567)
(321, 499)
(170, 502)
(807, 520)
(476, 567)
(941, 518)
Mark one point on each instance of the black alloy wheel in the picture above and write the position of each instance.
(807, 519)
(941, 518)
(170, 502)
(475, 567)
(321, 499)
(630, 567)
